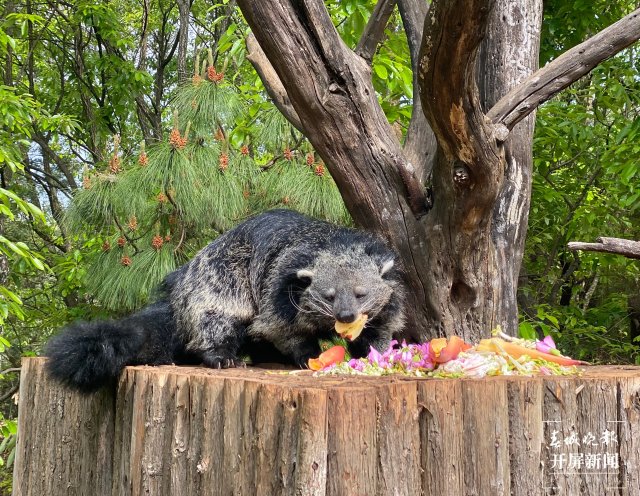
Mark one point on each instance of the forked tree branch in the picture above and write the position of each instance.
(272, 82)
(330, 89)
(374, 30)
(625, 247)
(569, 67)
(453, 32)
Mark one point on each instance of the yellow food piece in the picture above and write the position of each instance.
(352, 330)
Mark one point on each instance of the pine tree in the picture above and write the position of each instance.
(155, 210)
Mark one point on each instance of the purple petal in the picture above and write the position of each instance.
(548, 340)
(374, 355)
(546, 345)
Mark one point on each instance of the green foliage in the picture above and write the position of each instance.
(391, 67)
(8, 439)
(569, 22)
(8, 431)
(585, 185)
(17, 112)
(597, 334)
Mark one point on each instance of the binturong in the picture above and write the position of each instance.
(269, 289)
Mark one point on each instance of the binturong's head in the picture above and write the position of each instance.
(347, 288)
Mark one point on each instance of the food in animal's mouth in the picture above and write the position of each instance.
(353, 329)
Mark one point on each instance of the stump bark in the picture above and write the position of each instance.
(194, 431)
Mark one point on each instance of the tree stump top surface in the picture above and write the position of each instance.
(273, 373)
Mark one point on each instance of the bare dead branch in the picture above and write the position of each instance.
(374, 30)
(10, 393)
(12, 369)
(625, 247)
(271, 81)
(569, 67)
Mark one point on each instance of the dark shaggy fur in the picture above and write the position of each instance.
(269, 288)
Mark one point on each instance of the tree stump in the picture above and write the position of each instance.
(195, 431)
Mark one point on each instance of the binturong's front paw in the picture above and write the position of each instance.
(302, 359)
(218, 361)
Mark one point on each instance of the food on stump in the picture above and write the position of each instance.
(332, 356)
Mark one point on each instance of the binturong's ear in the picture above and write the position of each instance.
(386, 267)
(305, 274)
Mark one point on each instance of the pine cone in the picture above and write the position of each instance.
(212, 73)
(162, 198)
(157, 242)
(121, 241)
(114, 165)
(106, 246)
(319, 170)
(310, 159)
(244, 150)
(126, 261)
(133, 223)
(175, 140)
(287, 154)
(143, 159)
(224, 162)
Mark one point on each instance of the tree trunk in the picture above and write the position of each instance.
(481, 182)
(187, 431)
(509, 54)
(461, 257)
(184, 10)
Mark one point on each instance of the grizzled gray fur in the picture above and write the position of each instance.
(269, 288)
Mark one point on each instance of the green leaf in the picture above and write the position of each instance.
(381, 71)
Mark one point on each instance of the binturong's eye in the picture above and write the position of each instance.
(330, 294)
(360, 291)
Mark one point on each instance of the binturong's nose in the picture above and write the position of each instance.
(346, 316)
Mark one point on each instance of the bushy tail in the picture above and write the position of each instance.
(89, 355)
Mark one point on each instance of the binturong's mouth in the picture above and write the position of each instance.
(353, 329)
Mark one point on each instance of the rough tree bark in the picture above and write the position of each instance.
(481, 182)
(462, 256)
